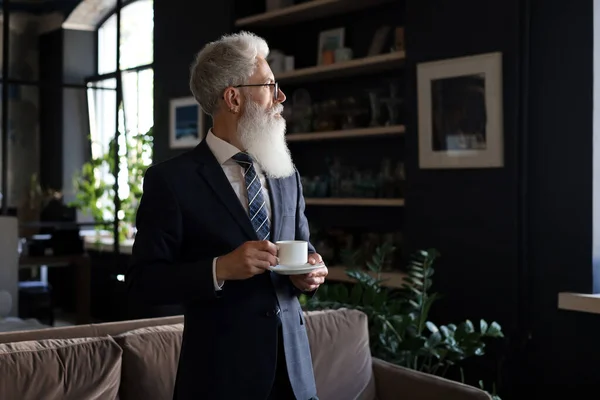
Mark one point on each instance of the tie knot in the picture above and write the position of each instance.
(244, 159)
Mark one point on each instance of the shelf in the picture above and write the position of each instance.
(392, 279)
(350, 133)
(588, 303)
(366, 65)
(351, 201)
(306, 12)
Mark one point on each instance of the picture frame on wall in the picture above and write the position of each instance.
(460, 112)
(186, 123)
(329, 41)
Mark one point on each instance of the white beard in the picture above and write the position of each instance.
(262, 134)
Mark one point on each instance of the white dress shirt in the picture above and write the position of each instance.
(223, 152)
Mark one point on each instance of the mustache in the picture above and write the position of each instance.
(277, 109)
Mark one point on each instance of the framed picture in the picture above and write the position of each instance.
(460, 112)
(329, 41)
(186, 123)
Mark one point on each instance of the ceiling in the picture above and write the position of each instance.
(43, 6)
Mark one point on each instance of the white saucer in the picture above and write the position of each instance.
(295, 270)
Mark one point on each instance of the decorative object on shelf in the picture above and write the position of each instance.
(346, 181)
(399, 43)
(460, 112)
(343, 54)
(379, 39)
(375, 104)
(393, 104)
(329, 41)
(277, 61)
(399, 326)
(186, 123)
(352, 110)
(289, 63)
(326, 115)
(302, 112)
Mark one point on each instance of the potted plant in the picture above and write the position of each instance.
(94, 184)
(400, 330)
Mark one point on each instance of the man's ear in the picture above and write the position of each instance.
(232, 98)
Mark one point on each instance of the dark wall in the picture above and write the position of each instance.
(65, 58)
(181, 29)
(559, 184)
(470, 216)
(512, 238)
(51, 123)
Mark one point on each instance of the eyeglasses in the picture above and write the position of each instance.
(275, 88)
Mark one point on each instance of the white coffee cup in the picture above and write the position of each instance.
(292, 253)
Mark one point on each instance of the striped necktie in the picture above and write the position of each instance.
(257, 210)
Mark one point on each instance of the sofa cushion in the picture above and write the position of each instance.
(60, 369)
(150, 358)
(339, 344)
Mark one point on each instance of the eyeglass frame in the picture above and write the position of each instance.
(275, 85)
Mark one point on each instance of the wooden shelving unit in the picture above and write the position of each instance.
(306, 11)
(336, 80)
(351, 201)
(392, 279)
(358, 66)
(346, 134)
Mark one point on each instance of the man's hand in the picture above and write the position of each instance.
(249, 259)
(312, 280)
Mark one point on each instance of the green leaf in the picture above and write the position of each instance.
(469, 326)
(494, 330)
(483, 326)
(431, 326)
(434, 339)
(372, 266)
(446, 331)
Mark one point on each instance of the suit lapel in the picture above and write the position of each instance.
(276, 197)
(210, 170)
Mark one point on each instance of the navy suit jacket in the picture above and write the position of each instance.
(188, 215)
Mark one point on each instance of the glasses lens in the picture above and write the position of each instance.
(276, 91)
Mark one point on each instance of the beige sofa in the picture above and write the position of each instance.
(138, 360)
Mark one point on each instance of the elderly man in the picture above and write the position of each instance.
(207, 223)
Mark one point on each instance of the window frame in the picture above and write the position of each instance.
(117, 75)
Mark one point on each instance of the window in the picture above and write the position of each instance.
(121, 110)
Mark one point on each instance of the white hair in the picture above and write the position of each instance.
(229, 61)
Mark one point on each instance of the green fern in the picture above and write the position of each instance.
(399, 326)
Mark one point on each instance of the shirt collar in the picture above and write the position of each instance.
(222, 150)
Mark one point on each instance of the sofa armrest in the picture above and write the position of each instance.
(394, 382)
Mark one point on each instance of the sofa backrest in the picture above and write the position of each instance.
(341, 355)
(60, 369)
(89, 330)
(149, 362)
(148, 354)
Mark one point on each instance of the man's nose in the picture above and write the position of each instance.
(280, 96)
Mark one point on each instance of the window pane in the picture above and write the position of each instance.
(102, 110)
(138, 118)
(137, 27)
(139, 102)
(107, 46)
